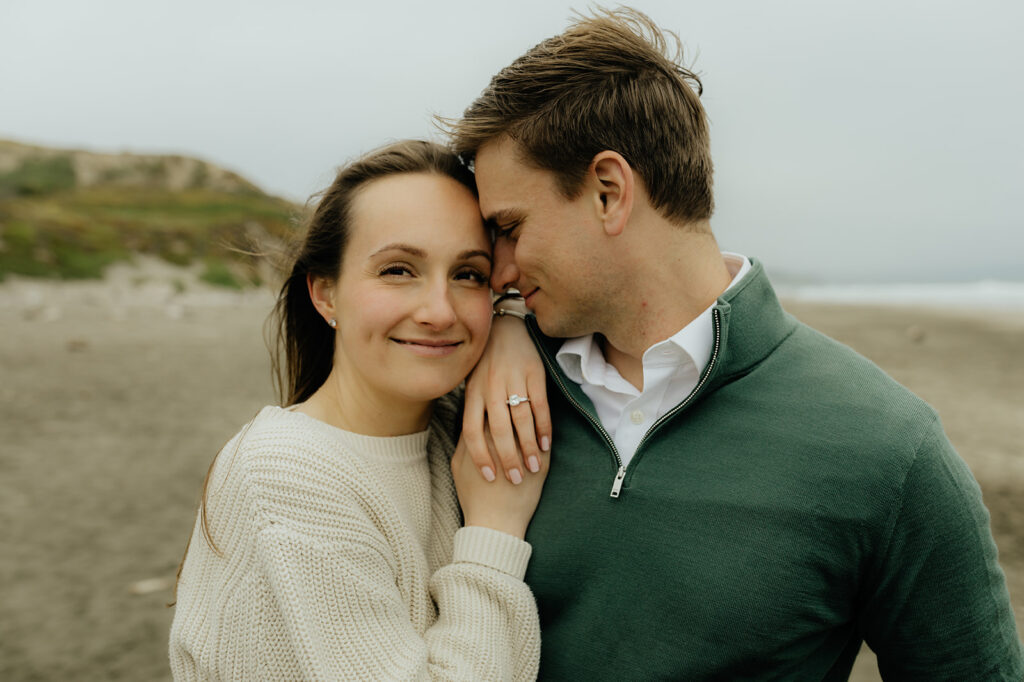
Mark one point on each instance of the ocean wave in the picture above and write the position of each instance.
(987, 294)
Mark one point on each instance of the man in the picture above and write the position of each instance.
(732, 494)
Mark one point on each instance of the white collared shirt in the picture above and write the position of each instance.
(672, 369)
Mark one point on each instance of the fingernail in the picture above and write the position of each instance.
(545, 444)
(488, 473)
(533, 464)
(515, 476)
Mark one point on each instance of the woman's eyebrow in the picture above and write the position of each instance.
(420, 253)
(411, 250)
(466, 255)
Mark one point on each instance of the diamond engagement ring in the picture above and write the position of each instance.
(515, 399)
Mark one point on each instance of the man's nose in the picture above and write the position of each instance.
(505, 273)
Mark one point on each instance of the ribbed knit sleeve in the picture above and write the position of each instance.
(342, 565)
(482, 588)
(346, 618)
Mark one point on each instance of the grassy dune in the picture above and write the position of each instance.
(68, 215)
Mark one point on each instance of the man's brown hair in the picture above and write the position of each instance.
(609, 82)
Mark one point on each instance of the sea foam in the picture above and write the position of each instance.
(987, 294)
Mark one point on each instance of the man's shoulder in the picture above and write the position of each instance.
(827, 367)
(813, 385)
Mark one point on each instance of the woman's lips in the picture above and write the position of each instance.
(431, 348)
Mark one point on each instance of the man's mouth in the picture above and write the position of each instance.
(529, 296)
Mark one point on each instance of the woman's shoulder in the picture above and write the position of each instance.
(278, 437)
(284, 434)
(281, 432)
(287, 463)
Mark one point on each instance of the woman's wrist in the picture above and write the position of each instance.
(505, 525)
(510, 304)
(496, 549)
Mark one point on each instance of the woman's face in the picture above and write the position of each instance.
(412, 300)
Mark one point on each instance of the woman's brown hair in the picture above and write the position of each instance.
(301, 342)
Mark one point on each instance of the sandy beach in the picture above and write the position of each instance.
(116, 395)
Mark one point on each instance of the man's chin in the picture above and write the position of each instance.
(557, 327)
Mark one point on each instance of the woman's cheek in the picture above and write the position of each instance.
(477, 317)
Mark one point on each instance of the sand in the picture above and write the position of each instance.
(116, 395)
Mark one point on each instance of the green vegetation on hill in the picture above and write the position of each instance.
(38, 176)
(51, 226)
(77, 233)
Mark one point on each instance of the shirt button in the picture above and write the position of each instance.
(637, 416)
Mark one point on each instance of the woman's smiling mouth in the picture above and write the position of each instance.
(432, 348)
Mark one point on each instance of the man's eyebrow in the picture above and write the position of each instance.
(505, 215)
(411, 250)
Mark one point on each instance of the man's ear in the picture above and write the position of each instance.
(321, 293)
(614, 180)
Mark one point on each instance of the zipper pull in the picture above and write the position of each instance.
(617, 485)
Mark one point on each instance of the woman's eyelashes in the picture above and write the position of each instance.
(396, 270)
(474, 275)
(471, 274)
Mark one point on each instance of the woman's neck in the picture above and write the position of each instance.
(361, 410)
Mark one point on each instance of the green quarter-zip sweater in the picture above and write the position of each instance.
(797, 503)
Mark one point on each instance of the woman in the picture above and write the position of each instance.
(328, 543)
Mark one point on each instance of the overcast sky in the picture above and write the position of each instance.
(853, 141)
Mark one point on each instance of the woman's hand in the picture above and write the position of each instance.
(510, 366)
(499, 505)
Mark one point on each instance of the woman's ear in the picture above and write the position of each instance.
(614, 182)
(321, 293)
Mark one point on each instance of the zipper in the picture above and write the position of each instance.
(620, 473)
(696, 389)
(621, 470)
(617, 483)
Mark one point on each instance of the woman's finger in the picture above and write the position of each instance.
(473, 433)
(522, 417)
(501, 431)
(536, 384)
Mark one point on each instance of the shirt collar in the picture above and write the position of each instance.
(581, 359)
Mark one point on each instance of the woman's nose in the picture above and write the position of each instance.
(435, 307)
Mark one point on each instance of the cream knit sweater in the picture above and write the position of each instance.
(342, 559)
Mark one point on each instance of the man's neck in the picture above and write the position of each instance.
(629, 367)
(660, 312)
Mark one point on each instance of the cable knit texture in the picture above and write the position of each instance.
(341, 557)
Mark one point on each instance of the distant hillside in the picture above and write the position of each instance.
(69, 213)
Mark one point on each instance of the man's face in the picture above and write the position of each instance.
(545, 245)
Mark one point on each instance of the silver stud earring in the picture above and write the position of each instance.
(333, 322)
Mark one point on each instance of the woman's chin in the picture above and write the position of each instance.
(428, 389)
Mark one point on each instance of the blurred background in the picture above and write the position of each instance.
(869, 153)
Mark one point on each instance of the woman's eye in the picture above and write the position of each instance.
(395, 271)
(472, 275)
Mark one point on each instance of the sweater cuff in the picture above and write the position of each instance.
(492, 548)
